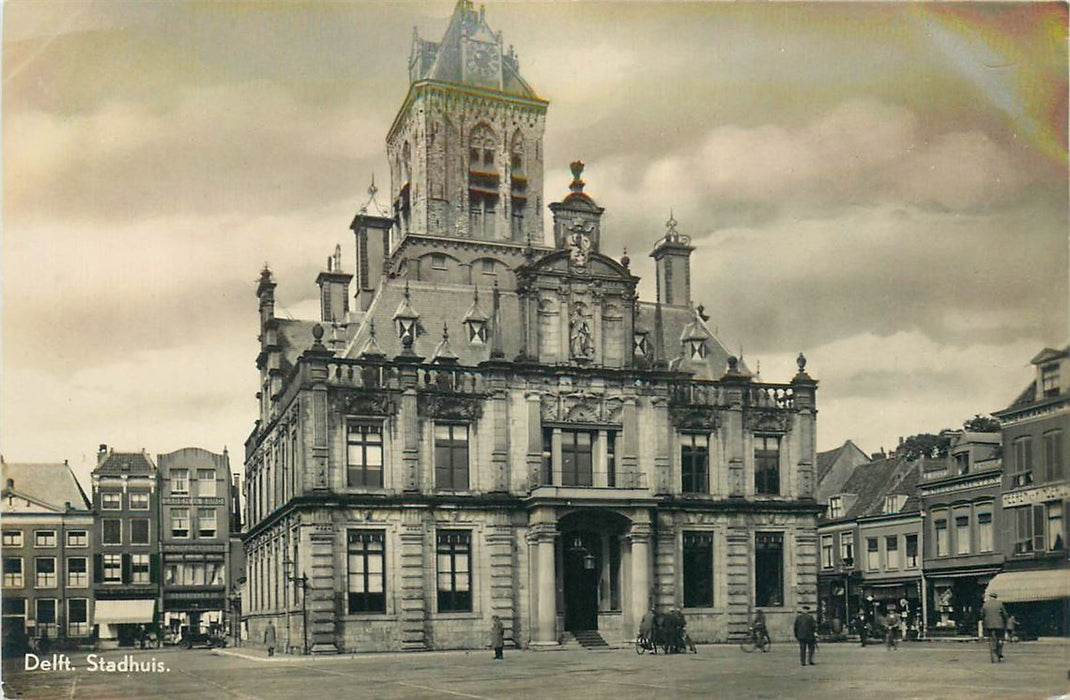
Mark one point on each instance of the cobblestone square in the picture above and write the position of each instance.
(933, 670)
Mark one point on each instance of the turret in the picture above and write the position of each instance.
(672, 264)
(371, 227)
(334, 289)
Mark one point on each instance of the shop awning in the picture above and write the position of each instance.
(1024, 586)
(118, 612)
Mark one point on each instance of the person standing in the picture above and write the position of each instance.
(806, 634)
(497, 637)
(995, 617)
(891, 625)
(863, 626)
(269, 638)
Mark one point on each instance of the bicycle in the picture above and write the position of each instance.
(995, 646)
(643, 643)
(756, 639)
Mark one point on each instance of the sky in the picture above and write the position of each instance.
(880, 186)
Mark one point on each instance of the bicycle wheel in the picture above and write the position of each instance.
(766, 643)
(748, 645)
(640, 645)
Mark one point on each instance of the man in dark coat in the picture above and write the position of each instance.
(806, 633)
(497, 637)
(995, 619)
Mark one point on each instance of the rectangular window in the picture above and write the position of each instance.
(139, 500)
(962, 534)
(206, 482)
(891, 551)
(180, 522)
(984, 531)
(767, 464)
(1039, 526)
(45, 572)
(365, 455)
(44, 538)
(611, 458)
(77, 617)
(139, 531)
(139, 569)
(451, 456)
(1023, 541)
(547, 456)
(1049, 380)
(77, 538)
(695, 462)
(77, 572)
(576, 457)
(847, 548)
(454, 550)
(111, 531)
(1023, 461)
(367, 572)
(826, 552)
(438, 261)
(873, 554)
(698, 570)
(769, 569)
(835, 507)
(206, 523)
(12, 538)
(113, 568)
(111, 500)
(46, 616)
(12, 572)
(180, 481)
(1053, 456)
(943, 545)
(1055, 526)
(14, 607)
(912, 551)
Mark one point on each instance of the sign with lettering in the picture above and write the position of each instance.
(1055, 492)
(193, 501)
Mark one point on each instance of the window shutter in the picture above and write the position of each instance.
(98, 568)
(1039, 523)
(154, 568)
(126, 568)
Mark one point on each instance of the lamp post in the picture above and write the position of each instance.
(848, 562)
(287, 565)
(302, 583)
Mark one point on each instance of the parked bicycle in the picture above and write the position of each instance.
(757, 638)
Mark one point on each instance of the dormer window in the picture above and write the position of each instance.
(894, 503)
(697, 348)
(477, 331)
(1049, 380)
(640, 346)
(836, 507)
(438, 261)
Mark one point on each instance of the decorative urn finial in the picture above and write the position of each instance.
(577, 170)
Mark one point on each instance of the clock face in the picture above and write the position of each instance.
(482, 60)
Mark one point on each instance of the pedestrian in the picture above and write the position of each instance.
(646, 628)
(806, 634)
(44, 645)
(142, 635)
(497, 637)
(891, 624)
(863, 626)
(1012, 626)
(995, 618)
(269, 638)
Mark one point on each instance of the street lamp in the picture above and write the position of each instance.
(302, 583)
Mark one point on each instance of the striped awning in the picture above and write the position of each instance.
(1025, 586)
(117, 612)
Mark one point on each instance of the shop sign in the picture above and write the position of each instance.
(1041, 494)
(193, 501)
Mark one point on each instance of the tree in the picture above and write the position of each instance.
(924, 445)
(982, 424)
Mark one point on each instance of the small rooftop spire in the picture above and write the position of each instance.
(372, 206)
(444, 353)
(672, 234)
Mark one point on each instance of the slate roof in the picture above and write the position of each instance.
(826, 459)
(51, 484)
(872, 481)
(130, 463)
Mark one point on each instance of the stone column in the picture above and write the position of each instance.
(640, 541)
(543, 536)
(412, 612)
(599, 464)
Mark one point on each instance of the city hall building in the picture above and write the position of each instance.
(489, 423)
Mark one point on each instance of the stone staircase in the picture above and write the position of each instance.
(588, 639)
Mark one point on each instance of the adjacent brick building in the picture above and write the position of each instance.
(47, 524)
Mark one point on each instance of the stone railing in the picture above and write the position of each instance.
(369, 374)
(770, 396)
(705, 393)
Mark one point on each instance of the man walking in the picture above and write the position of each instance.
(891, 625)
(995, 618)
(806, 633)
(269, 638)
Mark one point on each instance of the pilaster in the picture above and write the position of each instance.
(412, 612)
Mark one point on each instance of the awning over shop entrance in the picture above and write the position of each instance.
(1025, 586)
(118, 612)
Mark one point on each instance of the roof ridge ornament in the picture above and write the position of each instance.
(577, 183)
(372, 203)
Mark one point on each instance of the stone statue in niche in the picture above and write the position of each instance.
(579, 242)
(580, 342)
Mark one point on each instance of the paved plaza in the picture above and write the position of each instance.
(934, 670)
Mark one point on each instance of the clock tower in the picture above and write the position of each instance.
(465, 149)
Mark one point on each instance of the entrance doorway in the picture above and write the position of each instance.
(582, 560)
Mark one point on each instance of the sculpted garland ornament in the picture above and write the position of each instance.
(369, 404)
(767, 421)
(449, 406)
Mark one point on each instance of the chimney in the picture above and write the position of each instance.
(672, 266)
(10, 484)
(334, 289)
(102, 454)
(371, 226)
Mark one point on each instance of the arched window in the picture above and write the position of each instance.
(481, 149)
(516, 154)
(518, 185)
(482, 183)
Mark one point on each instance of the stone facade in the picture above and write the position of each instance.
(502, 427)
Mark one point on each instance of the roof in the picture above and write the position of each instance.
(677, 323)
(443, 61)
(872, 481)
(129, 463)
(828, 458)
(52, 485)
